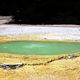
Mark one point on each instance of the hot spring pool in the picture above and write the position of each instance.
(39, 47)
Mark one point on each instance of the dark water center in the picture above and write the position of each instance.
(39, 47)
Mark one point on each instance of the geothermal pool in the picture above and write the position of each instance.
(39, 47)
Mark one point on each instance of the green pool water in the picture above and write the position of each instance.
(39, 47)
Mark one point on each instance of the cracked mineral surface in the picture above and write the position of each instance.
(54, 67)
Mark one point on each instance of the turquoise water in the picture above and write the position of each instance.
(39, 47)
